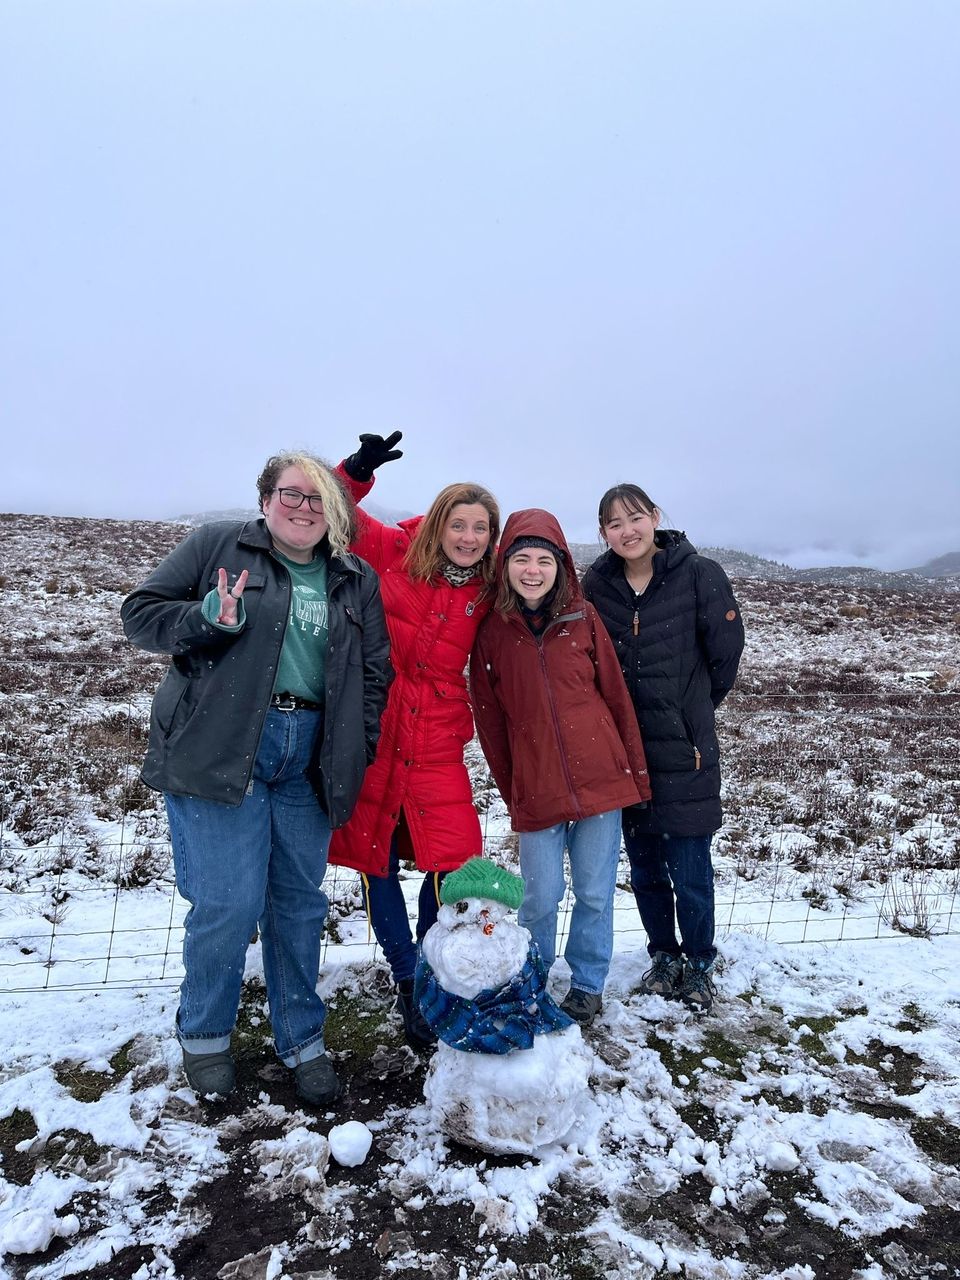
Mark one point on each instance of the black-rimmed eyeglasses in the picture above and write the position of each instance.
(294, 498)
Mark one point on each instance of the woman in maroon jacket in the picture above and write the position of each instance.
(560, 734)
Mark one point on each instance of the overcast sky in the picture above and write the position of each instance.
(708, 247)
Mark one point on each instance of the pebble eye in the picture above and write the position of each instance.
(462, 908)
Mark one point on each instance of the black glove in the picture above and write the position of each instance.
(374, 451)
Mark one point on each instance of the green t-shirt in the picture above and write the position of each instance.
(302, 669)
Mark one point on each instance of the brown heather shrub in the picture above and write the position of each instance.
(143, 865)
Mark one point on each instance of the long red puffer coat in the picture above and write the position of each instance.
(427, 722)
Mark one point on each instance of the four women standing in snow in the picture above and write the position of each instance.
(279, 674)
(678, 634)
(561, 738)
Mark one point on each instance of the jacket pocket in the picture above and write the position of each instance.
(354, 636)
(168, 700)
(702, 741)
(691, 741)
(453, 703)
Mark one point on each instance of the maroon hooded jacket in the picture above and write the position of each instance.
(553, 714)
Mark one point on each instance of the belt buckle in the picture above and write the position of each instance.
(284, 702)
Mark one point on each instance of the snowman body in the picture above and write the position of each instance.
(506, 1102)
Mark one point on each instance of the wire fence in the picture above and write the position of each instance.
(841, 825)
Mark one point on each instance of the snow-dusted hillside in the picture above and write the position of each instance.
(809, 1128)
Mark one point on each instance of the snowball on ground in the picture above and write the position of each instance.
(33, 1230)
(781, 1157)
(350, 1143)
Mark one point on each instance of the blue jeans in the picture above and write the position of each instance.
(672, 881)
(387, 912)
(594, 848)
(260, 862)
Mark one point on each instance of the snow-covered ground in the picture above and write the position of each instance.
(810, 1127)
(815, 1116)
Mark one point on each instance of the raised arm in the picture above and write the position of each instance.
(379, 544)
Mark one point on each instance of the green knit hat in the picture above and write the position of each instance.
(481, 878)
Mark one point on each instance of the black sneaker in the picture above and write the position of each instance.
(582, 1006)
(317, 1082)
(696, 990)
(416, 1029)
(210, 1073)
(664, 977)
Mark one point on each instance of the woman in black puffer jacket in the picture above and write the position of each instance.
(678, 633)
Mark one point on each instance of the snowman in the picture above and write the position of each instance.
(510, 1072)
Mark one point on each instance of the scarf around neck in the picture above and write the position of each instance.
(495, 1021)
(458, 575)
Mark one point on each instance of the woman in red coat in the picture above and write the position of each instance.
(560, 735)
(416, 803)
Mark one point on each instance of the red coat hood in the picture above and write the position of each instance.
(534, 522)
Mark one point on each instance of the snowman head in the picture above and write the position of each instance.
(473, 913)
(479, 894)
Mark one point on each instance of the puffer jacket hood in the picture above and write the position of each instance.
(534, 522)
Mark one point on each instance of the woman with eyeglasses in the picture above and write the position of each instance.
(678, 633)
(437, 573)
(260, 734)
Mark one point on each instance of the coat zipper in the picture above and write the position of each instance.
(538, 641)
(689, 732)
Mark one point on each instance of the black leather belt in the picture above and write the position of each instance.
(290, 702)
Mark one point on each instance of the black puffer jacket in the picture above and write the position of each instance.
(209, 710)
(679, 645)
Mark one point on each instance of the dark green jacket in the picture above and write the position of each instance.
(209, 710)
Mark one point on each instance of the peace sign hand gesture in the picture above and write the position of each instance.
(229, 597)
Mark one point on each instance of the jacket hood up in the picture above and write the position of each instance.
(534, 522)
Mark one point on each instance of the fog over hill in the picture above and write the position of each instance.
(743, 564)
(942, 567)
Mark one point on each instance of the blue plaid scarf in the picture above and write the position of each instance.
(495, 1021)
